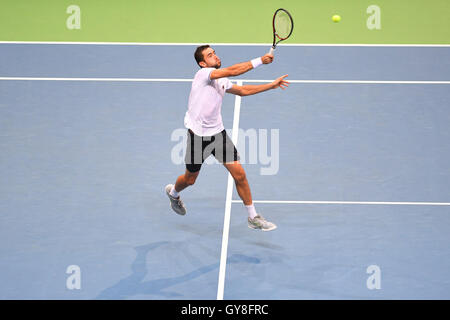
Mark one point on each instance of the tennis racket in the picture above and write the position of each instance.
(282, 27)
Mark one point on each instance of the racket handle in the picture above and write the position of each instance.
(271, 50)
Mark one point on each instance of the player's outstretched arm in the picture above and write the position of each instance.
(248, 90)
(239, 68)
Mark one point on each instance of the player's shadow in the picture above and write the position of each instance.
(133, 284)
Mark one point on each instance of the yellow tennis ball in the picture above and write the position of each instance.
(336, 18)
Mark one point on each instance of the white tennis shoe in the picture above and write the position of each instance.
(176, 203)
(259, 222)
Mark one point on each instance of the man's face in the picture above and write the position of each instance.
(210, 60)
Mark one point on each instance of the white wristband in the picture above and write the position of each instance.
(256, 62)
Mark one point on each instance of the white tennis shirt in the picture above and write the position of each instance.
(204, 116)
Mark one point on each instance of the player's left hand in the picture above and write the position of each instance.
(280, 83)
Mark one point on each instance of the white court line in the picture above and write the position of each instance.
(226, 221)
(350, 202)
(94, 79)
(242, 80)
(358, 81)
(228, 44)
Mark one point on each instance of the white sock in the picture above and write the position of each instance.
(251, 211)
(174, 193)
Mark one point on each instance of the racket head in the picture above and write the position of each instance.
(283, 25)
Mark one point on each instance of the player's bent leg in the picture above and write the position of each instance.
(183, 181)
(175, 202)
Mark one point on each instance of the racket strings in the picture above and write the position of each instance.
(282, 25)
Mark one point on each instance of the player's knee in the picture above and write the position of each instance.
(190, 180)
(240, 177)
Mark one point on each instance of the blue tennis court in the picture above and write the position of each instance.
(351, 162)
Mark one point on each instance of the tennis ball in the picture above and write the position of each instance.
(336, 18)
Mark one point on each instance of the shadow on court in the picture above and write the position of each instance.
(134, 284)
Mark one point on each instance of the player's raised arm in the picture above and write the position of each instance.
(248, 90)
(240, 68)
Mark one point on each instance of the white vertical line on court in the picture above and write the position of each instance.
(229, 196)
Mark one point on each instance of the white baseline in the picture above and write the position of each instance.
(242, 80)
(350, 202)
(443, 45)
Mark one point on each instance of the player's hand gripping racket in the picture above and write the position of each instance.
(282, 27)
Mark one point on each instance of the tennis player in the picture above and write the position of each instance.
(206, 134)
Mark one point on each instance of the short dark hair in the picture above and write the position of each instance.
(198, 55)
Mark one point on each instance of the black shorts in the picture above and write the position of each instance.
(199, 148)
